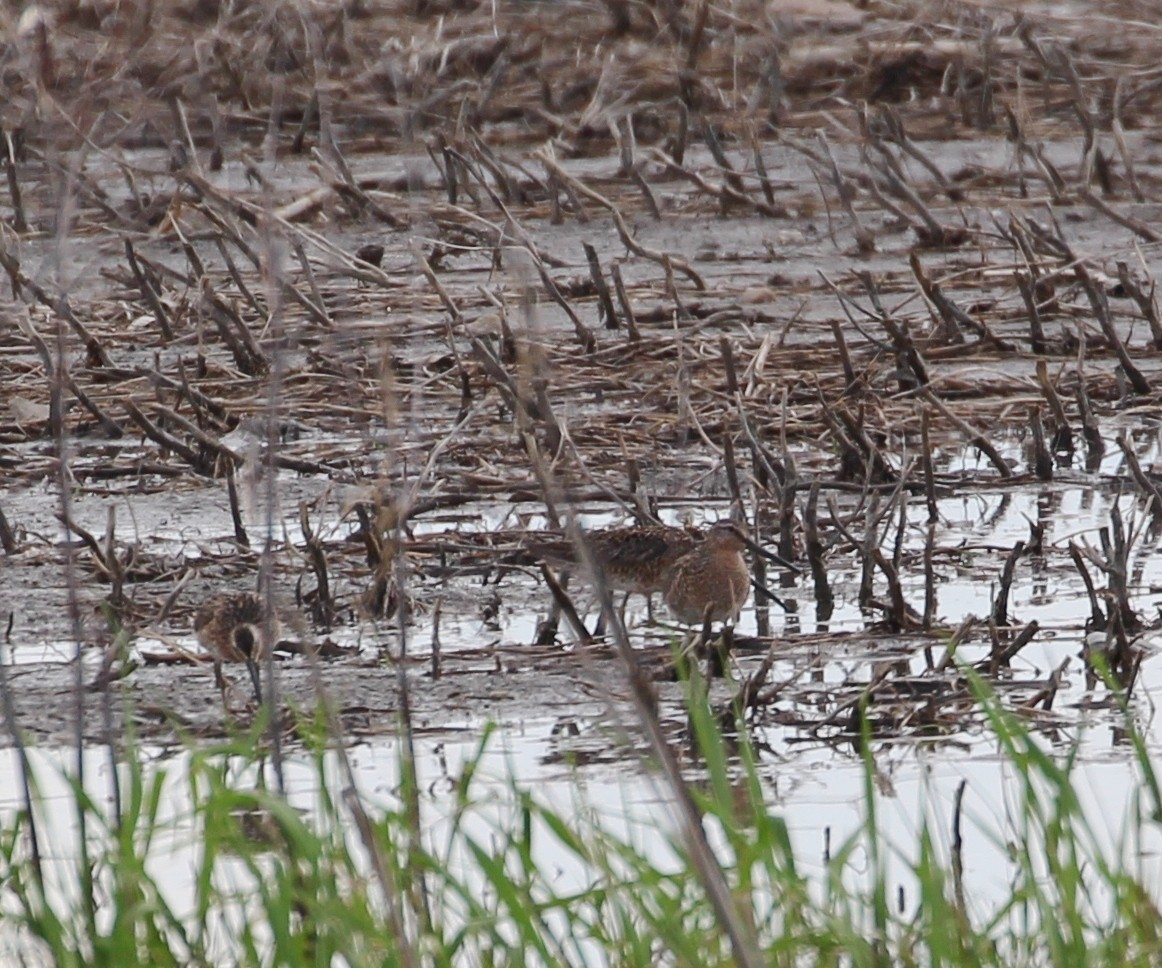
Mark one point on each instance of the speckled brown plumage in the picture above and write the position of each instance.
(230, 627)
(711, 578)
(640, 559)
(633, 559)
(692, 569)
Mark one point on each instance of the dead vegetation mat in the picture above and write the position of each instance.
(418, 275)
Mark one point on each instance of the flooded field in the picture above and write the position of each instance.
(356, 329)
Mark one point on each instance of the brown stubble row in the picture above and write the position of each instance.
(415, 188)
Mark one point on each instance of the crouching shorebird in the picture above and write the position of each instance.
(700, 574)
(235, 628)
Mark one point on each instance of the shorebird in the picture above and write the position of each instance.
(233, 628)
(712, 580)
(695, 571)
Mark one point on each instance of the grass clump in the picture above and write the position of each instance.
(333, 876)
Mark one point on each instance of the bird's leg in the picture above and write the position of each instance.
(599, 631)
(226, 686)
(223, 685)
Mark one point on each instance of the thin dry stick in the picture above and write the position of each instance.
(1000, 613)
(1151, 490)
(953, 316)
(1006, 655)
(165, 440)
(1138, 227)
(108, 425)
(1119, 134)
(967, 624)
(975, 437)
(565, 604)
(19, 222)
(604, 298)
(1063, 434)
(958, 848)
(429, 274)
(728, 192)
(59, 304)
(1042, 459)
(623, 300)
(149, 294)
(1146, 301)
(865, 238)
(623, 231)
(1101, 309)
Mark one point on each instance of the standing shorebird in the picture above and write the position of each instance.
(712, 579)
(695, 571)
(234, 628)
(640, 559)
